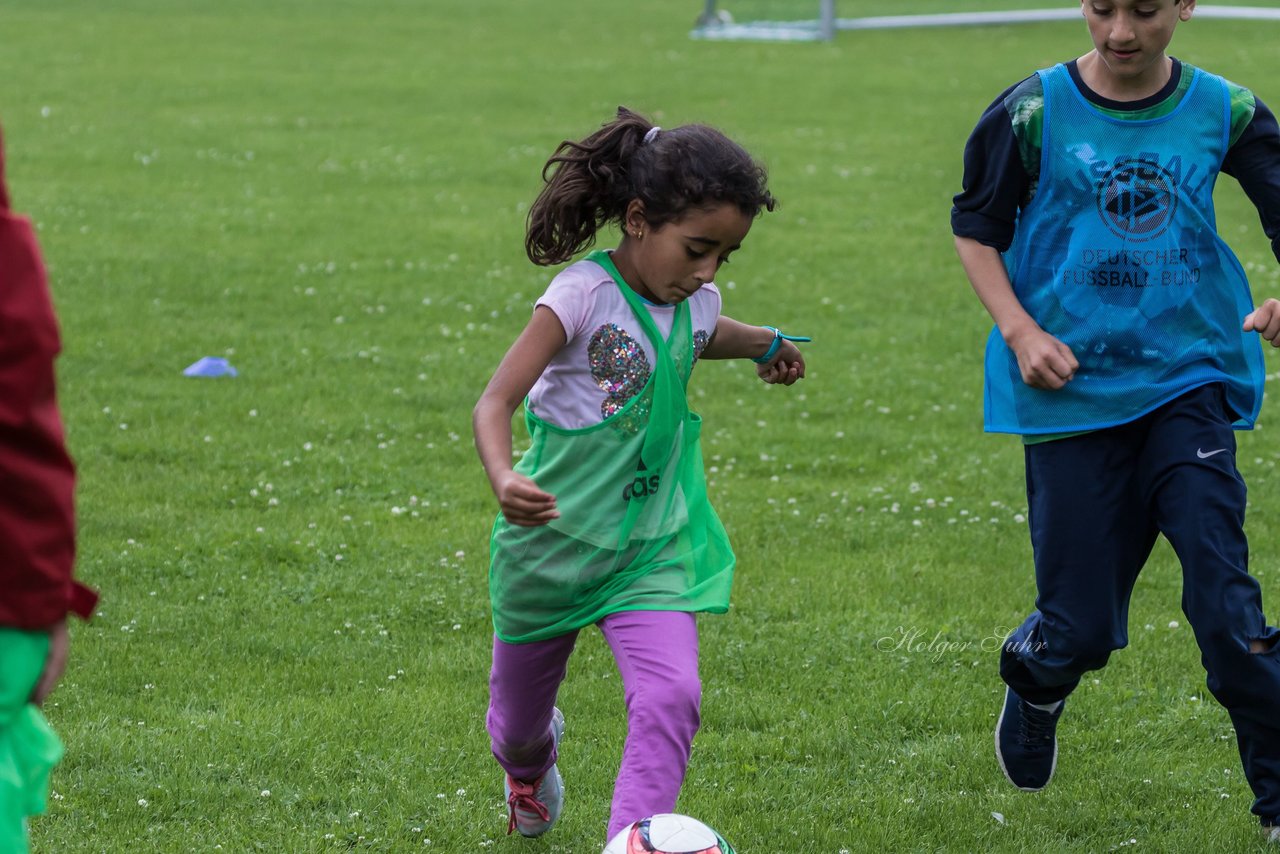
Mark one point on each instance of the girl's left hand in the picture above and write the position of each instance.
(787, 366)
(1265, 320)
(59, 640)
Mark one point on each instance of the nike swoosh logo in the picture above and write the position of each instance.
(1202, 455)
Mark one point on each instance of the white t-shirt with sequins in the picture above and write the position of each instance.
(607, 358)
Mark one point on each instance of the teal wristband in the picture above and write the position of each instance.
(778, 338)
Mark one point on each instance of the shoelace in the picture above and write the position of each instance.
(1036, 726)
(522, 798)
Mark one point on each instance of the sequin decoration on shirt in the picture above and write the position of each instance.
(700, 339)
(619, 365)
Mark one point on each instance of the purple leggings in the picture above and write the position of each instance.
(657, 655)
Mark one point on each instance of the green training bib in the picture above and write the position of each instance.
(29, 748)
(636, 531)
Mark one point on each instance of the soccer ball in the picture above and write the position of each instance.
(668, 834)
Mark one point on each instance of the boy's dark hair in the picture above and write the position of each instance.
(592, 182)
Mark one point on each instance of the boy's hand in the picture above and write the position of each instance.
(1045, 362)
(787, 366)
(1265, 320)
(55, 664)
(522, 502)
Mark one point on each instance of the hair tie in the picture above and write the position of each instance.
(651, 135)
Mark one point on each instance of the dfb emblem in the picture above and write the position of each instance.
(1137, 199)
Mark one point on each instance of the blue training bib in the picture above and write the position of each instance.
(1118, 256)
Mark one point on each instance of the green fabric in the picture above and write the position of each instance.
(29, 748)
(1243, 107)
(1041, 438)
(636, 531)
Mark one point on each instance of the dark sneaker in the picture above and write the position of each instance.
(1026, 745)
(536, 805)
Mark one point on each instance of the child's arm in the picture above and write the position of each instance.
(1254, 160)
(522, 502)
(55, 664)
(37, 513)
(1045, 362)
(734, 340)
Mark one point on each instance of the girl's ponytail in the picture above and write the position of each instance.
(589, 185)
(670, 172)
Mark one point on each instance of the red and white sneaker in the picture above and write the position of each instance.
(536, 805)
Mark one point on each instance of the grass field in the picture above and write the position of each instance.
(291, 650)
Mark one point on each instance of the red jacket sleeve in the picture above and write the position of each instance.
(37, 477)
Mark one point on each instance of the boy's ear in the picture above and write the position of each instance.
(1185, 10)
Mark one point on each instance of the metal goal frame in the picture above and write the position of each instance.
(714, 24)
